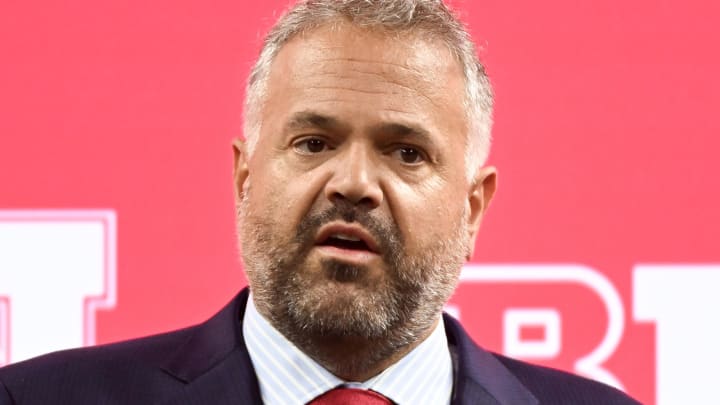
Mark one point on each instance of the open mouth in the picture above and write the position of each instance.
(347, 237)
(345, 242)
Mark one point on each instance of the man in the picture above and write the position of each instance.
(360, 189)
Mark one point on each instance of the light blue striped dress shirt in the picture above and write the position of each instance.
(288, 376)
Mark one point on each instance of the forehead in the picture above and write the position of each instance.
(347, 67)
(413, 53)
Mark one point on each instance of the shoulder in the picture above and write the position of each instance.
(558, 387)
(147, 350)
(510, 381)
(140, 370)
(124, 367)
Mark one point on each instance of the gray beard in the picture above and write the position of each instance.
(378, 319)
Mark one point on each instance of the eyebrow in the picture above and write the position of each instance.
(305, 120)
(396, 130)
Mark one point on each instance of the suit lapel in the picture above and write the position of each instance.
(215, 365)
(214, 362)
(231, 382)
(480, 379)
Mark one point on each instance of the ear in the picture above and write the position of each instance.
(480, 194)
(240, 168)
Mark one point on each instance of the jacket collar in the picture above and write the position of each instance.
(214, 363)
(480, 378)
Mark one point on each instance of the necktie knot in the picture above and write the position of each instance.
(350, 396)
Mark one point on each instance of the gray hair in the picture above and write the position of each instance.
(431, 18)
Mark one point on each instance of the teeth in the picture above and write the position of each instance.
(346, 237)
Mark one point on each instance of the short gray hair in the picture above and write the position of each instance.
(431, 18)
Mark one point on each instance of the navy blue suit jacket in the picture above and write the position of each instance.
(209, 364)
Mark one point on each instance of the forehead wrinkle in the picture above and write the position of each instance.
(347, 74)
(385, 71)
(385, 79)
(394, 110)
(322, 54)
(371, 62)
(364, 91)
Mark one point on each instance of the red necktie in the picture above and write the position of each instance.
(350, 396)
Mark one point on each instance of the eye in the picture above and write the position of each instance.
(409, 155)
(310, 146)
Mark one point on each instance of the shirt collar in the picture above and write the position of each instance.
(287, 375)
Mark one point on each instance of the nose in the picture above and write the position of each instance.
(355, 179)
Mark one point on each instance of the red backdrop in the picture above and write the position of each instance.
(605, 139)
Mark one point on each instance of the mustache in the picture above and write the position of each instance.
(386, 233)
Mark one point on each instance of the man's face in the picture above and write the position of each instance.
(356, 214)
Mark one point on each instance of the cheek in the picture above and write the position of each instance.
(428, 213)
(283, 194)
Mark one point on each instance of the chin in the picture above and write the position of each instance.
(346, 273)
(344, 309)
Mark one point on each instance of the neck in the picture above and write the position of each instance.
(357, 359)
(354, 358)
